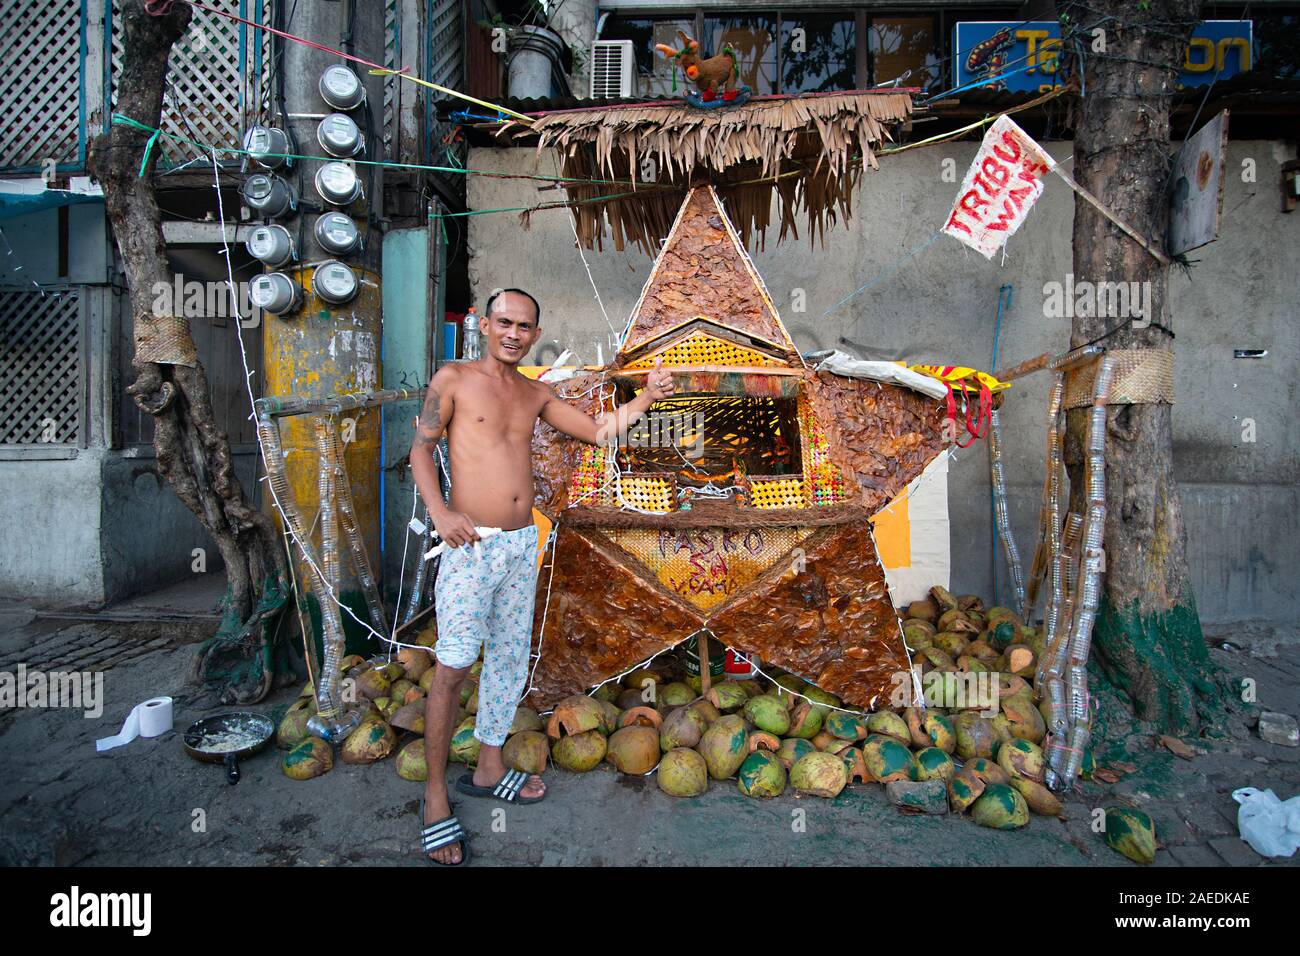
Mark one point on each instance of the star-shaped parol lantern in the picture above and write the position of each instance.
(742, 505)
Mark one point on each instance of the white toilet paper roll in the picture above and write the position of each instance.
(147, 719)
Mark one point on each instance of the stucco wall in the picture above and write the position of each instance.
(1239, 498)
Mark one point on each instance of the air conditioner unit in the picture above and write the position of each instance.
(611, 68)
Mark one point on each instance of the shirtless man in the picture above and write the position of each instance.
(488, 409)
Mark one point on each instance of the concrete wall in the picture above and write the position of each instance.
(147, 537)
(49, 531)
(1239, 499)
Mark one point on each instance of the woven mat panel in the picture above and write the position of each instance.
(1142, 377)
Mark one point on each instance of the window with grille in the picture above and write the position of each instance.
(42, 61)
(42, 366)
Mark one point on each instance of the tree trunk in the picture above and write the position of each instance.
(1147, 637)
(193, 454)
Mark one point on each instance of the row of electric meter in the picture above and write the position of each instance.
(337, 184)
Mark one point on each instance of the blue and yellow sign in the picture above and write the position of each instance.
(1022, 57)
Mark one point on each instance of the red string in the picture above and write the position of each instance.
(290, 36)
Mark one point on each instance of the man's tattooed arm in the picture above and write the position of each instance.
(428, 429)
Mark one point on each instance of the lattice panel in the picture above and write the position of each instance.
(212, 72)
(777, 493)
(700, 348)
(39, 98)
(393, 61)
(444, 58)
(40, 367)
(646, 493)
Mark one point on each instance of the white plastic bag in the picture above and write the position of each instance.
(841, 363)
(1271, 826)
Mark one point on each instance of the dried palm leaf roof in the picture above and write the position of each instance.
(811, 149)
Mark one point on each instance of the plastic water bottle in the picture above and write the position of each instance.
(472, 342)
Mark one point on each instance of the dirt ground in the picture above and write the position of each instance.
(148, 804)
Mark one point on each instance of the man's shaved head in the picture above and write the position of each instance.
(537, 317)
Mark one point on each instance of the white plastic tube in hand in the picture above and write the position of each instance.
(482, 533)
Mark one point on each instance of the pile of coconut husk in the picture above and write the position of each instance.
(810, 148)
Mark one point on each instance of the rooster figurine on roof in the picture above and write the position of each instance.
(709, 74)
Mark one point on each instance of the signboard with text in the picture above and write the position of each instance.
(1022, 56)
(1002, 184)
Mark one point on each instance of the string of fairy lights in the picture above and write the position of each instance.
(281, 151)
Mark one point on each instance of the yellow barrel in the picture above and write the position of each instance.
(324, 350)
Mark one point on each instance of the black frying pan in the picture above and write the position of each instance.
(225, 738)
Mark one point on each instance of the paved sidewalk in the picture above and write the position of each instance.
(148, 804)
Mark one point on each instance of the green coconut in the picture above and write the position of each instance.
(976, 736)
(887, 759)
(293, 727)
(768, 713)
(683, 773)
(633, 749)
(951, 643)
(1021, 758)
(914, 717)
(1000, 808)
(526, 719)
(526, 751)
(933, 764)
(642, 677)
(986, 770)
(576, 715)
(579, 752)
(676, 694)
(705, 710)
(1024, 718)
(464, 745)
(943, 599)
(610, 717)
(890, 724)
(918, 634)
(409, 717)
(791, 684)
(410, 761)
(820, 774)
(372, 740)
(1040, 799)
(926, 609)
(963, 790)
(607, 692)
(845, 726)
(761, 775)
(724, 746)
(682, 728)
(854, 765)
(806, 720)
(727, 696)
(309, 758)
(940, 731)
(792, 748)
(820, 697)
(1132, 833)
(373, 684)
